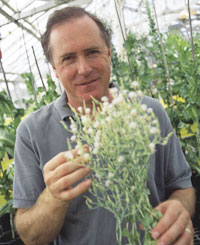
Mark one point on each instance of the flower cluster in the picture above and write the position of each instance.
(121, 135)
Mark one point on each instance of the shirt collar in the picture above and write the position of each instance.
(62, 106)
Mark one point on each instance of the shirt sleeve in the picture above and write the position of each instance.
(28, 175)
(177, 170)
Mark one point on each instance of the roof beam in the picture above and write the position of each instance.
(12, 19)
(45, 7)
(14, 11)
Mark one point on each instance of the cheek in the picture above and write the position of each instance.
(66, 74)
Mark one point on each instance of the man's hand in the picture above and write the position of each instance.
(61, 172)
(175, 227)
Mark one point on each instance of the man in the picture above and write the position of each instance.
(49, 187)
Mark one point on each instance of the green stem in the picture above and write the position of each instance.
(163, 55)
(191, 32)
(12, 226)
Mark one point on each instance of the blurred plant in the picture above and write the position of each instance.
(10, 117)
(184, 71)
(121, 136)
(44, 96)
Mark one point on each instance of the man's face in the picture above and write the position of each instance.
(81, 60)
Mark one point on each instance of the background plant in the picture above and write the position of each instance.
(10, 117)
(184, 70)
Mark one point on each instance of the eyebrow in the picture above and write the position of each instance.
(73, 53)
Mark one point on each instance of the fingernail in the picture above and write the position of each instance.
(161, 243)
(155, 235)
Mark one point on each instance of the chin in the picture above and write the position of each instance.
(89, 98)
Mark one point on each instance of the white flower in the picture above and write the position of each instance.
(98, 134)
(104, 99)
(95, 151)
(108, 119)
(105, 106)
(154, 90)
(120, 159)
(96, 124)
(144, 107)
(175, 55)
(84, 119)
(149, 110)
(139, 93)
(74, 130)
(87, 110)
(73, 125)
(69, 155)
(132, 188)
(117, 100)
(86, 156)
(113, 91)
(152, 147)
(73, 138)
(90, 130)
(107, 183)
(97, 145)
(154, 130)
(132, 95)
(134, 84)
(110, 175)
(133, 112)
(133, 125)
(154, 122)
(98, 175)
(80, 109)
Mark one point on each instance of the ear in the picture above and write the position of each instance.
(55, 70)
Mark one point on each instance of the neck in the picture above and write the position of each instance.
(86, 107)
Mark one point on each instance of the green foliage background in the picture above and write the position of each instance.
(183, 103)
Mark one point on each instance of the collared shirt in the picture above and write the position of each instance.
(41, 136)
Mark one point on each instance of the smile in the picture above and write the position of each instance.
(87, 83)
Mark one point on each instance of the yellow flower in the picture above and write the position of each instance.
(178, 98)
(6, 163)
(184, 132)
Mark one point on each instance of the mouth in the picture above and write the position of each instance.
(87, 82)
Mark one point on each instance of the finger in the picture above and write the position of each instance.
(175, 230)
(170, 215)
(62, 157)
(68, 180)
(65, 169)
(187, 236)
(76, 191)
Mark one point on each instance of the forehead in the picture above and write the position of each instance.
(75, 33)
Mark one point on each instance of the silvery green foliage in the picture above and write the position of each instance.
(121, 136)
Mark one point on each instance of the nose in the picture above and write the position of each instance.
(83, 66)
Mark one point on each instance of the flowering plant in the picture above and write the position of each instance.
(121, 136)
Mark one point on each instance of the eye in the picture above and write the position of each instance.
(93, 52)
(68, 59)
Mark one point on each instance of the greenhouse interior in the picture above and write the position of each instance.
(154, 52)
